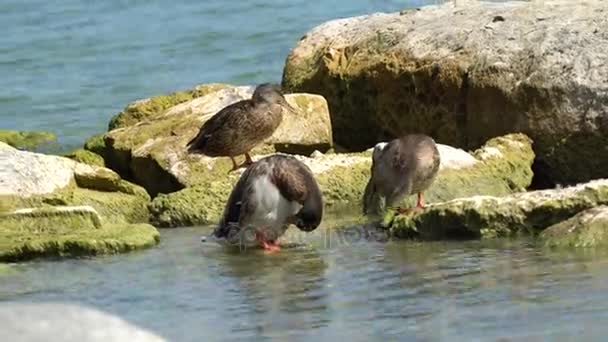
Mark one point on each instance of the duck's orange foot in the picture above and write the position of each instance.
(270, 247)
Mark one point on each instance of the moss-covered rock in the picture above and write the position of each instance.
(501, 167)
(35, 179)
(589, 228)
(489, 216)
(96, 144)
(25, 140)
(68, 231)
(52, 205)
(152, 152)
(86, 157)
(462, 77)
(152, 107)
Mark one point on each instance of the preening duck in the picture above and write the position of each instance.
(402, 167)
(271, 194)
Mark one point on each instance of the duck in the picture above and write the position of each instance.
(239, 127)
(402, 167)
(271, 194)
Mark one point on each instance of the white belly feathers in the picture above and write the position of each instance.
(272, 209)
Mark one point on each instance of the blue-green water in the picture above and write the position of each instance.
(330, 288)
(68, 66)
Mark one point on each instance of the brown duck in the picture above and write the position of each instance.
(239, 127)
(271, 194)
(402, 167)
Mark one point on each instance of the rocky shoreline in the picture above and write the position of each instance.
(523, 113)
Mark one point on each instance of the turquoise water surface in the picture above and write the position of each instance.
(68, 66)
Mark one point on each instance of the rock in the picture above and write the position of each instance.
(86, 157)
(54, 206)
(87, 216)
(501, 167)
(25, 140)
(38, 322)
(489, 216)
(29, 179)
(68, 233)
(96, 145)
(589, 228)
(152, 152)
(463, 76)
(149, 108)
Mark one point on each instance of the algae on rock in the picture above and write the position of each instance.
(489, 216)
(589, 228)
(25, 140)
(54, 206)
(85, 157)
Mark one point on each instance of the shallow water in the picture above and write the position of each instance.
(336, 286)
(68, 66)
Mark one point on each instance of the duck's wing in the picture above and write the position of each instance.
(225, 120)
(293, 179)
(234, 207)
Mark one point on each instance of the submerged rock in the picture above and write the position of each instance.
(589, 228)
(25, 140)
(38, 322)
(502, 166)
(149, 147)
(489, 216)
(54, 206)
(463, 77)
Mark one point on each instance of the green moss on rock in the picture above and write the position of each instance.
(489, 217)
(588, 228)
(96, 144)
(198, 205)
(65, 241)
(86, 157)
(26, 140)
(148, 108)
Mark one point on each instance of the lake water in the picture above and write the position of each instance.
(68, 66)
(336, 286)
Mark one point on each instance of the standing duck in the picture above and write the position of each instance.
(271, 194)
(239, 127)
(400, 168)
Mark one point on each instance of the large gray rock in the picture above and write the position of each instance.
(41, 322)
(464, 74)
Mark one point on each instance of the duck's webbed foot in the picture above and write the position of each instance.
(267, 245)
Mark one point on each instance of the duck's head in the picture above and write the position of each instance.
(271, 93)
(370, 195)
(310, 215)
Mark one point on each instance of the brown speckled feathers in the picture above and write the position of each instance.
(239, 127)
(292, 178)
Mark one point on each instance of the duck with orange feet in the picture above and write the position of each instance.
(271, 194)
(239, 127)
(402, 167)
